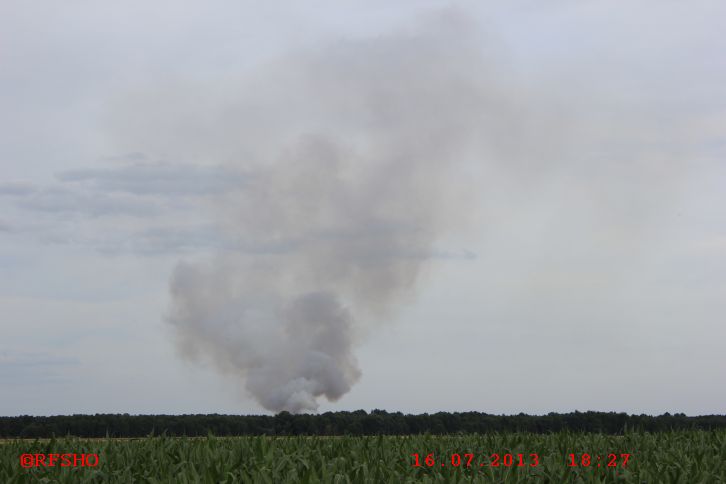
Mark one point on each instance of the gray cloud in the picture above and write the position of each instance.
(158, 202)
(16, 189)
(139, 189)
(62, 200)
(134, 157)
(165, 179)
(32, 368)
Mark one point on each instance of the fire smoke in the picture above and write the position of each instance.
(353, 159)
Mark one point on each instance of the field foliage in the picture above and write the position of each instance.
(682, 456)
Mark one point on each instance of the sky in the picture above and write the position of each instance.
(498, 206)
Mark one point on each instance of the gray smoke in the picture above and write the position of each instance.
(353, 159)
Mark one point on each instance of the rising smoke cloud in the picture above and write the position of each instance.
(354, 171)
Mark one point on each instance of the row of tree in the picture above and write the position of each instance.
(345, 423)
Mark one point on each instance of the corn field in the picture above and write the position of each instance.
(677, 457)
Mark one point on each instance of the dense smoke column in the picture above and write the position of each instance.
(354, 177)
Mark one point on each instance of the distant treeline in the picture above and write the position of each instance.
(345, 423)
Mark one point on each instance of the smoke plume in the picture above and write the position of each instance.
(353, 156)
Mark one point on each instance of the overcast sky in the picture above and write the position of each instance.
(566, 218)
